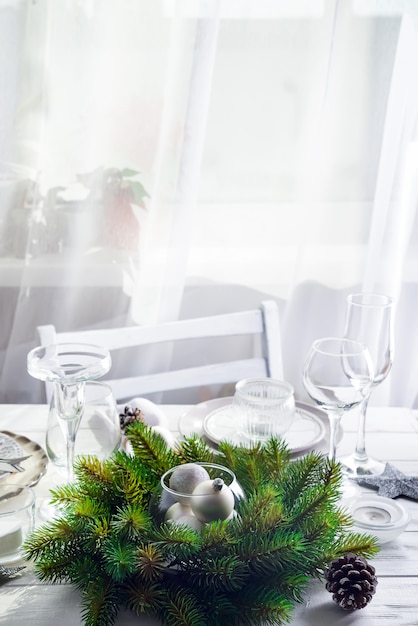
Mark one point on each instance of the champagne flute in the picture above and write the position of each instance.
(337, 375)
(369, 320)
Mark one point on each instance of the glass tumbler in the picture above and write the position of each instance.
(17, 520)
(266, 407)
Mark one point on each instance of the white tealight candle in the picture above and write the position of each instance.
(372, 515)
(378, 516)
(11, 537)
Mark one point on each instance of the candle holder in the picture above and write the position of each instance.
(17, 520)
(378, 516)
(195, 494)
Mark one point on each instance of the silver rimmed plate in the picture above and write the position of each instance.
(214, 420)
(12, 445)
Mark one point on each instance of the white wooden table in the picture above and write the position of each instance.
(392, 436)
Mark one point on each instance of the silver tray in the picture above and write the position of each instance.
(35, 466)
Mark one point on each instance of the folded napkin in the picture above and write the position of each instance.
(391, 483)
(153, 414)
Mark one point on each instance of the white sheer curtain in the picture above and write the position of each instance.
(171, 158)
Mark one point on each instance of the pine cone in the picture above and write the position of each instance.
(352, 582)
(129, 416)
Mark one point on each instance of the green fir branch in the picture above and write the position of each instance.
(220, 609)
(89, 508)
(119, 557)
(84, 571)
(151, 564)
(176, 542)
(291, 584)
(194, 450)
(245, 463)
(183, 609)
(144, 597)
(91, 469)
(216, 574)
(262, 510)
(277, 456)
(133, 482)
(47, 538)
(131, 522)
(259, 605)
(245, 571)
(100, 603)
(273, 552)
(100, 528)
(55, 567)
(356, 543)
(309, 471)
(65, 494)
(150, 448)
(217, 534)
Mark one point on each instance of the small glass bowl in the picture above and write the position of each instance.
(266, 407)
(185, 507)
(378, 516)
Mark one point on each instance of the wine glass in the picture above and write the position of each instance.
(68, 366)
(337, 375)
(98, 434)
(369, 320)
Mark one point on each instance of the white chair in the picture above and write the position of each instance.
(262, 324)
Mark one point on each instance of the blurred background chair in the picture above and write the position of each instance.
(138, 372)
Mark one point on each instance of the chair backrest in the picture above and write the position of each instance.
(262, 322)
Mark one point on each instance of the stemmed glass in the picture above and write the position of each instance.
(68, 367)
(98, 434)
(369, 320)
(337, 375)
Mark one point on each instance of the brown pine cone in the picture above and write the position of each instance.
(352, 582)
(129, 416)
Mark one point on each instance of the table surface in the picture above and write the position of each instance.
(392, 435)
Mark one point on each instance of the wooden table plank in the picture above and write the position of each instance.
(395, 603)
(47, 605)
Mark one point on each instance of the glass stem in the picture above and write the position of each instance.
(360, 453)
(334, 422)
(69, 402)
(70, 430)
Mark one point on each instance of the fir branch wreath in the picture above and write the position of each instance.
(248, 571)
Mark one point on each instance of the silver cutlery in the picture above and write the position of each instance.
(13, 464)
(15, 460)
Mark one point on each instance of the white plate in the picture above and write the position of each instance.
(306, 430)
(310, 429)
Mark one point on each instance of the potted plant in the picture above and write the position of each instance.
(102, 208)
(123, 196)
